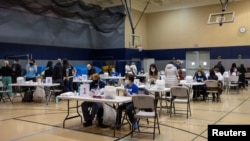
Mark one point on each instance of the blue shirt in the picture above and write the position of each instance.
(31, 71)
(133, 89)
(200, 78)
(114, 74)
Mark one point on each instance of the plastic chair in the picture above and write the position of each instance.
(142, 102)
(180, 94)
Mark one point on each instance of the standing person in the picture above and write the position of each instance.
(127, 68)
(48, 73)
(6, 73)
(49, 69)
(31, 70)
(220, 67)
(91, 70)
(130, 89)
(58, 73)
(178, 64)
(17, 70)
(179, 69)
(68, 72)
(242, 78)
(171, 74)
(133, 68)
(96, 86)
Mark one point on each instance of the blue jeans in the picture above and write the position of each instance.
(129, 107)
(96, 108)
(68, 85)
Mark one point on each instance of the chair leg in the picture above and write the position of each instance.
(171, 105)
(154, 128)
(158, 123)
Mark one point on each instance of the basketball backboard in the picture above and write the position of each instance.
(220, 18)
(135, 41)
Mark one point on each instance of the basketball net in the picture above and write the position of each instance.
(139, 47)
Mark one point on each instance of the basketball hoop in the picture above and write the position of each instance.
(139, 47)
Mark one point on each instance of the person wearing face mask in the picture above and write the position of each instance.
(129, 89)
(31, 70)
(96, 86)
(153, 74)
(199, 76)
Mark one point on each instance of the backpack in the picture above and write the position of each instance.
(28, 96)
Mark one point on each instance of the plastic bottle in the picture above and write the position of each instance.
(57, 100)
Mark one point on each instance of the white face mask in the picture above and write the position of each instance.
(153, 70)
(199, 74)
(126, 81)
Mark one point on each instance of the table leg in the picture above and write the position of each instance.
(70, 117)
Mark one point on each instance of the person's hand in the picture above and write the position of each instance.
(152, 79)
(125, 92)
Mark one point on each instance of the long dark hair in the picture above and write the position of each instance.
(155, 72)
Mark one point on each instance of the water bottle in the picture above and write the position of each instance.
(78, 90)
(57, 100)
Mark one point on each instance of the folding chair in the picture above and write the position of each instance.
(213, 87)
(142, 102)
(180, 94)
(233, 83)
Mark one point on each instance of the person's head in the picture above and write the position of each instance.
(199, 72)
(32, 62)
(113, 69)
(211, 72)
(49, 64)
(216, 70)
(65, 62)
(129, 79)
(200, 69)
(233, 65)
(15, 60)
(242, 65)
(89, 66)
(5, 63)
(178, 62)
(59, 60)
(153, 68)
(96, 78)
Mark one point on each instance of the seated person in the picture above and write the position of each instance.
(96, 108)
(130, 89)
(113, 74)
(199, 89)
(213, 76)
